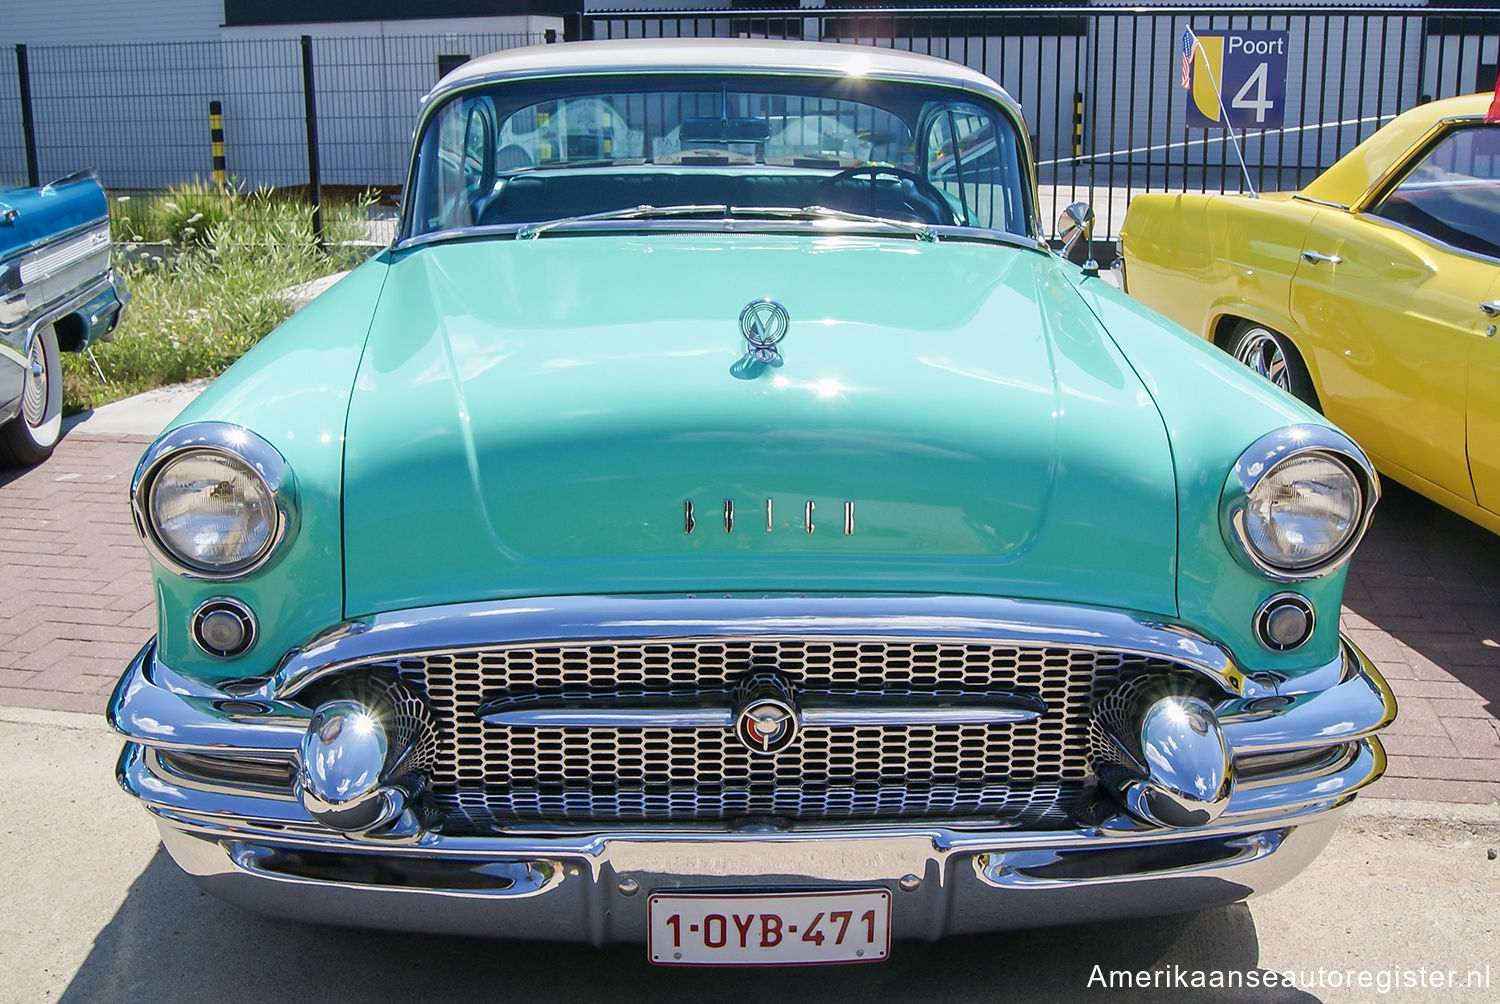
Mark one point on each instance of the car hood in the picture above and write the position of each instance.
(532, 418)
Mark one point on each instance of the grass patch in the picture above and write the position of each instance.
(206, 269)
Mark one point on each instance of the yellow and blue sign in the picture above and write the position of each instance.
(1240, 75)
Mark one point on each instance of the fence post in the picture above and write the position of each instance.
(28, 124)
(310, 103)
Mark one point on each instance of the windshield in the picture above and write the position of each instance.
(512, 154)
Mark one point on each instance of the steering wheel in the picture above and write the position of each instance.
(889, 192)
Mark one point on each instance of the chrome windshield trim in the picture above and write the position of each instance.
(828, 223)
(986, 620)
(1320, 202)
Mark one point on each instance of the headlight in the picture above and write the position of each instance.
(1298, 501)
(213, 501)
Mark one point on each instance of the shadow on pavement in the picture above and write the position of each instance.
(171, 942)
(1431, 579)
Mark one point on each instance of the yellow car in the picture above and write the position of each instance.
(1373, 294)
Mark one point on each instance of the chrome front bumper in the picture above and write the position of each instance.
(1299, 758)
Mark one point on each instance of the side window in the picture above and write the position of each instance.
(1453, 194)
(971, 158)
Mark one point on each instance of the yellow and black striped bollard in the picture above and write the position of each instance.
(1077, 124)
(216, 143)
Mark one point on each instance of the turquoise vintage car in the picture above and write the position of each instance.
(57, 293)
(754, 542)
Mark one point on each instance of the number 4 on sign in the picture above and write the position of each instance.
(1259, 103)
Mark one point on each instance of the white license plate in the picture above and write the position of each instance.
(777, 929)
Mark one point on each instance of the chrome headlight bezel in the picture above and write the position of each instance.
(240, 447)
(1266, 455)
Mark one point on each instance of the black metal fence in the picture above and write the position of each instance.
(140, 113)
(1099, 86)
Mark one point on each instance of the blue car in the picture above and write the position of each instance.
(57, 294)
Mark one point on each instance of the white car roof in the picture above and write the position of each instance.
(717, 55)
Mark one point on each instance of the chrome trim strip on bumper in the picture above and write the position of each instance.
(256, 816)
(1360, 705)
(16, 349)
(145, 711)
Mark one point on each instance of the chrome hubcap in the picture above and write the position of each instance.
(1260, 351)
(34, 396)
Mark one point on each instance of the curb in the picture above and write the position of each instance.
(74, 720)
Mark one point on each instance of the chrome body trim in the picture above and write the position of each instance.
(15, 342)
(1357, 707)
(231, 605)
(1009, 709)
(1303, 757)
(568, 887)
(224, 439)
(151, 708)
(1265, 610)
(1187, 776)
(822, 225)
(465, 626)
(1259, 459)
(51, 274)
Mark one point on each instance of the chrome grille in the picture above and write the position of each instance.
(1035, 772)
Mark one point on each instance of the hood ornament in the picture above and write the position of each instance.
(763, 323)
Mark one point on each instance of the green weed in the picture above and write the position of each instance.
(207, 271)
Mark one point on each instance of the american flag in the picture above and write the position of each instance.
(1189, 43)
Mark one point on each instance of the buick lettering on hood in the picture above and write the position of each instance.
(719, 521)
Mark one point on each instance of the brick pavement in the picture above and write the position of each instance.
(1423, 601)
(75, 585)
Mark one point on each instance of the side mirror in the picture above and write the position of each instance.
(1076, 228)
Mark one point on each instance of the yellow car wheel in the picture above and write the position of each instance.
(1272, 355)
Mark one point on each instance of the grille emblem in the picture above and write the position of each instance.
(765, 718)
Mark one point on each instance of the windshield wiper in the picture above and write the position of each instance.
(531, 231)
(921, 231)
